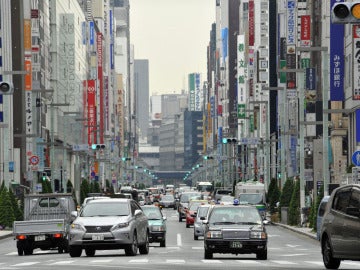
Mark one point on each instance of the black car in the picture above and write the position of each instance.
(235, 229)
(340, 228)
(167, 201)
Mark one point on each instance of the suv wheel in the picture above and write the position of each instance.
(329, 261)
(208, 255)
(131, 250)
(144, 249)
(180, 218)
(75, 251)
(196, 237)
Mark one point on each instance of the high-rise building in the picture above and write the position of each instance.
(141, 85)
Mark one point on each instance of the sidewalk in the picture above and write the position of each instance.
(302, 230)
(5, 233)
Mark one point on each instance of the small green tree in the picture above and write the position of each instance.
(273, 195)
(294, 207)
(84, 190)
(15, 204)
(7, 216)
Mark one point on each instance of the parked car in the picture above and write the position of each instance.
(167, 201)
(340, 229)
(184, 199)
(157, 224)
(201, 215)
(192, 210)
(320, 214)
(103, 225)
(235, 229)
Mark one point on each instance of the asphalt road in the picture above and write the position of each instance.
(286, 250)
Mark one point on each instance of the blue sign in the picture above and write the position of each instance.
(91, 29)
(356, 158)
(337, 59)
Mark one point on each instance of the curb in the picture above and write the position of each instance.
(5, 235)
(294, 229)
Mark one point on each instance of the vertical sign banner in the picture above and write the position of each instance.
(336, 59)
(192, 92)
(91, 33)
(241, 84)
(356, 62)
(99, 50)
(305, 30)
(224, 38)
(251, 23)
(198, 95)
(91, 110)
(291, 42)
(357, 126)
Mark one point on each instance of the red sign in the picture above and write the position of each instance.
(34, 160)
(305, 27)
(99, 48)
(91, 109)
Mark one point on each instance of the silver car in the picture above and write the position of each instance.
(201, 214)
(340, 228)
(109, 224)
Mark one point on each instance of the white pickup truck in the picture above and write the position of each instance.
(46, 223)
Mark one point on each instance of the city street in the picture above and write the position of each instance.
(287, 250)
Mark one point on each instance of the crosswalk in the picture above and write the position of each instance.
(141, 260)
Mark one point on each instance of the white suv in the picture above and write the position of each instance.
(109, 224)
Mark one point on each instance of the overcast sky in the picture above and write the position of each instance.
(173, 35)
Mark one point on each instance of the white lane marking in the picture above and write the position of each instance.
(351, 263)
(25, 263)
(283, 262)
(12, 253)
(62, 262)
(211, 261)
(316, 263)
(293, 255)
(292, 246)
(248, 262)
(178, 239)
(175, 261)
(139, 261)
(197, 247)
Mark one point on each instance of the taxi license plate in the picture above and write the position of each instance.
(98, 237)
(39, 237)
(236, 245)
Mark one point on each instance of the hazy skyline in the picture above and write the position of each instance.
(173, 35)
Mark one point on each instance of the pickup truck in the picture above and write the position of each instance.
(46, 223)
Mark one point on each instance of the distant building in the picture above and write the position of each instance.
(141, 82)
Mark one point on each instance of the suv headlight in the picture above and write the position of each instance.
(158, 228)
(120, 226)
(258, 235)
(77, 226)
(214, 234)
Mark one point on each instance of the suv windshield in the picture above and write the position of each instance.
(105, 209)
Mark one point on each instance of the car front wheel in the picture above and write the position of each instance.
(262, 255)
(329, 261)
(144, 249)
(131, 250)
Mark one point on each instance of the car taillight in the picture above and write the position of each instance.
(21, 237)
(58, 235)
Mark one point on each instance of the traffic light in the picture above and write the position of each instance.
(6, 88)
(208, 157)
(98, 146)
(125, 158)
(229, 140)
(344, 12)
